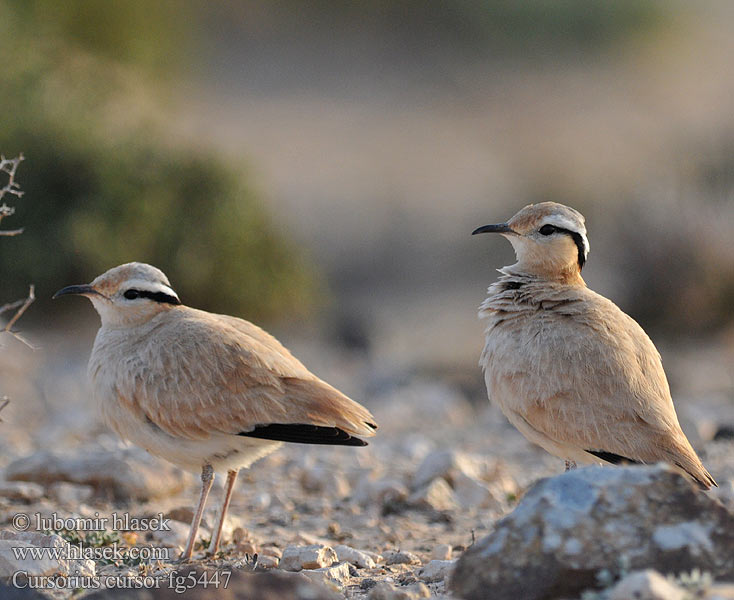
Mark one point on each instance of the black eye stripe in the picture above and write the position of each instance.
(132, 294)
(575, 236)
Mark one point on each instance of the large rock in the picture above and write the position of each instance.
(125, 474)
(569, 527)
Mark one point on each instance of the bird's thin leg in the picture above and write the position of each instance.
(217, 535)
(570, 464)
(207, 478)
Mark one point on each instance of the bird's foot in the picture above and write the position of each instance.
(570, 464)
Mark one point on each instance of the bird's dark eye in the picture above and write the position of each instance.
(547, 229)
(131, 294)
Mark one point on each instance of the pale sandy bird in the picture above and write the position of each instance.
(206, 392)
(568, 368)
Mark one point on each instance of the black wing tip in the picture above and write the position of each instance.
(303, 433)
(615, 459)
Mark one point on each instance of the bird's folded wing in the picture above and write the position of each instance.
(222, 374)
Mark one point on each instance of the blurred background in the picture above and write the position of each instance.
(318, 168)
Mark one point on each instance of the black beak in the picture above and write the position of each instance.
(78, 290)
(499, 228)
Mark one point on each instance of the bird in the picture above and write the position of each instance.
(567, 367)
(206, 392)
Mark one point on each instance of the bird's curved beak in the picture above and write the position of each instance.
(498, 228)
(77, 290)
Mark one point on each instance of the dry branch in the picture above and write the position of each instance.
(9, 166)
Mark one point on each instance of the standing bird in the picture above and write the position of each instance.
(568, 368)
(204, 391)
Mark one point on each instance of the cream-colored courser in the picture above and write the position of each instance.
(568, 368)
(204, 391)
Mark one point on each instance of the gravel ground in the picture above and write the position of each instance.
(443, 468)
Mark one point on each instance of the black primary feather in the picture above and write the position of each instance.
(304, 434)
(615, 459)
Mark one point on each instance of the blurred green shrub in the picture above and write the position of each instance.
(500, 26)
(107, 183)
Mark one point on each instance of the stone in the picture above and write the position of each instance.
(569, 527)
(266, 562)
(315, 556)
(57, 558)
(385, 591)
(436, 570)
(401, 557)
(442, 552)
(444, 464)
(358, 558)
(21, 491)
(380, 492)
(437, 495)
(325, 481)
(124, 474)
(646, 585)
(336, 574)
(70, 493)
(473, 493)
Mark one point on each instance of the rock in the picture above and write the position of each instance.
(266, 562)
(125, 474)
(70, 493)
(358, 558)
(442, 552)
(471, 492)
(316, 556)
(326, 481)
(567, 528)
(401, 557)
(436, 570)
(184, 514)
(336, 574)
(437, 495)
(444, 464)
(56, 559)
(21, 491)
(380, 492)
(646, 585)
(385, 591)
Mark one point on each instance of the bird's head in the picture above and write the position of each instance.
(549, 240)
(130, 294)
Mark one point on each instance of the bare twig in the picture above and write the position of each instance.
(4, 401)
(9, 166)
(22, 306)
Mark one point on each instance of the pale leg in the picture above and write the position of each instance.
(570, 464)
(207, 478)
(217, 535)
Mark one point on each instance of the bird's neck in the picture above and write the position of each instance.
(568, 274)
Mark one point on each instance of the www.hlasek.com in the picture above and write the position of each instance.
(174, 581)
(111, 553)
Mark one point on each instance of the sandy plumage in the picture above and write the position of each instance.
(568, 368)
